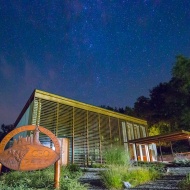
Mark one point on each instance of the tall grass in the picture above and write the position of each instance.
(185, 184)
(120, 170)
(115, 176)
(116, 155)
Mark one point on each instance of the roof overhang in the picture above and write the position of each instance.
(175, 136)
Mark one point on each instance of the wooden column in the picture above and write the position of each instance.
(160, 151)
(135, 151)
(171, 148)
(147, 152)
(141, 153)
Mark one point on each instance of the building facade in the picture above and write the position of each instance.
(88, 130)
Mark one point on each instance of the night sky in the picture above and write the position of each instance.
(101, 52)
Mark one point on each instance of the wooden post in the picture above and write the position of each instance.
(160, 151)
(171, 148)
(56, 174)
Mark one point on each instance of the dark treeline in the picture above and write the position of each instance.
(167, 108)
(127, 110)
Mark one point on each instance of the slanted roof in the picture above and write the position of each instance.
(59, 99)
(175, 136)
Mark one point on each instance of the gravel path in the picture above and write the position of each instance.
(92, 178)
(169, 181)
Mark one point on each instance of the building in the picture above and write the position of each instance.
(85, 129)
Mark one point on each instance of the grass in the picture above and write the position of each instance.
(42, 179)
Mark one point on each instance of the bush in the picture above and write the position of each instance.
(116, 155)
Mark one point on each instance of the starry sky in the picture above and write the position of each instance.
(101, 52)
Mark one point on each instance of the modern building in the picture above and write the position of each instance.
(86, 130)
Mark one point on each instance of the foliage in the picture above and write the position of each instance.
(120, 170)
(98, 165)
(116, 155)
(73, 168)
(168, 102)
(140, 175)
(114, 177)
(41, 179)
(181, 71)
(4, 130)
(185, 184)
(127, 110)
(159, 128)
(181, 161)
(158, 166)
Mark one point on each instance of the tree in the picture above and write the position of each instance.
(129, 111)
(5, 129)
(169, 102)
(142, 108)
(181, 71)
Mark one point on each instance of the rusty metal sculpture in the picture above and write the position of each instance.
(28, 153)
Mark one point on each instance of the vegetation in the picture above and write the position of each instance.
(185, 184)
(116, 156)
(120, 170)
(42, 179)
(158, 166)
(115, 176)
(4, 130)
(181, 161)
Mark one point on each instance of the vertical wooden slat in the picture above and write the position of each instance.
(87, 140)
(73, 136)
(100, 145)
(110, 132)
(119, 131)
(57, 119)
